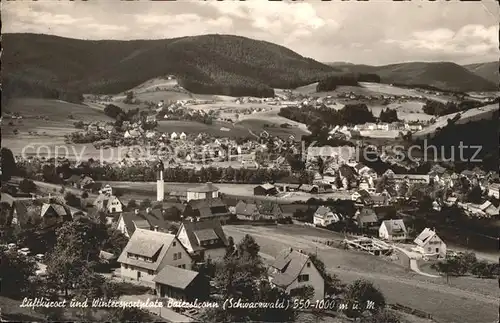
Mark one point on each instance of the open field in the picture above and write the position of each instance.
(243, 190)
(463, 300)
(56, 110)
(470, 115)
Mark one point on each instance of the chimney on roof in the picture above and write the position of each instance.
(156, 228)
(148, 210)
(291, 249)
(193, 220)
(136, 211)
(301, 251)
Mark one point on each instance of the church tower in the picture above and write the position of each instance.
(160, 184)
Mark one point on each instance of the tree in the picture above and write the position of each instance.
(15, 273)
(129, 97)
(359, 297)
(72, 200)
(242, 275)
(333, 285)
(475, 195)
(115, 242)
(384, 316)
(27, 186)
(145, 203)
(8, 164)
(230, 249)
(132, 204)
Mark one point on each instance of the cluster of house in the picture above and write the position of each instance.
(427, 242)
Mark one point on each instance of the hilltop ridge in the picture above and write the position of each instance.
(442, 75)
(212, 64)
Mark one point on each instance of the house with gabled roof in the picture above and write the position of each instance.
(108, 203)
(148, 252)
(365, 218)
(258, 210)
(181, 284)
(203, 239)
(207, 209)
(324, 216)
(393, 230)
(265, 189)
(429, 244)
(294, 269)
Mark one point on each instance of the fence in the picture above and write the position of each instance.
(412, 311)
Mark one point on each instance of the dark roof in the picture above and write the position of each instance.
(288, 264)
(366, 215)
(195, 229)
(175, 277)
(133, 220)
(322, 210)
(395, 226)
(206, 188)
(208, 208)
(247, 209)
(73, 179)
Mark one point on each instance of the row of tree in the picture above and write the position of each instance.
(322, 118)
(331, 82)
(467, 263)
(438, 108)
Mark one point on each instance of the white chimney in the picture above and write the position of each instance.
(156, 228)
(148, 210)
(136, 211)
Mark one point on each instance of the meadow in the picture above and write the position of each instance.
(464, 299)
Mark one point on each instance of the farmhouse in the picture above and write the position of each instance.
(152, 219)
(108, 204)
(265, 189)
(181, 284)
(392, 230)
(324, 217)
(429, 244)
(148, 252)
(294, 269)
(312, 189)
(365, 218)
(203, 239)
(206, 209)
(258, 211)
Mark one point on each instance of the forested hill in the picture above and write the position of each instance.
(489, 70)
(215, 64)
(441, 75)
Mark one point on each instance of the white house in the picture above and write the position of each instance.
(203, 239)
(324, 217)
(393, 230)
(148, 252)
(203, 192)
(493, 190)
(108, 203)
(183, 136)
(429, 244)
(173, 136)
(293, 269)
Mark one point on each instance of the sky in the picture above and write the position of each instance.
(376, 32)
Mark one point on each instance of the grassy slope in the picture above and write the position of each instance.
(487, 71)
(115, 66)
(443, 75)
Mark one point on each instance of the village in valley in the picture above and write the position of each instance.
(219, 178)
